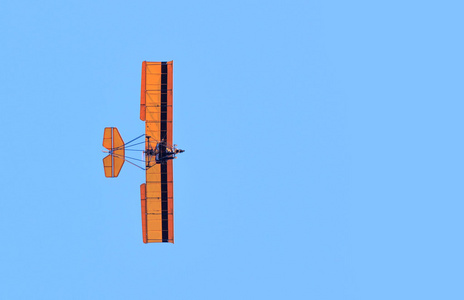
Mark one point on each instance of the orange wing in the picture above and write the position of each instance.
(157, 192)
(112, 141)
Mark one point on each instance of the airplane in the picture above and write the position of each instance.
(157, 193)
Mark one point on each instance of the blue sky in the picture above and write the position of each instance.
(323, 149)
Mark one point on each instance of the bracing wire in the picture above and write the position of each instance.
(135, 144)
(129, 161)
(125, 145)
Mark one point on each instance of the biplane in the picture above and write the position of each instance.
(157, 156)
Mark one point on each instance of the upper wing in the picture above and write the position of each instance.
(157, 205)
(157, 193)
(156, 100)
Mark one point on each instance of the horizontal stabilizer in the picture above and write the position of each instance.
(112, 141)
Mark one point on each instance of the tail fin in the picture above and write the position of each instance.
(112, 141)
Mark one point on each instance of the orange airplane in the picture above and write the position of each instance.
(157, 192)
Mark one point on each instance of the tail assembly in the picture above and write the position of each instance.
(112, 141)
